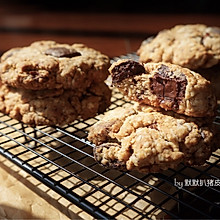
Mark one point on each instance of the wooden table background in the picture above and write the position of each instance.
(110, 31)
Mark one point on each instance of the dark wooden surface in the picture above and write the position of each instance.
(111, 33)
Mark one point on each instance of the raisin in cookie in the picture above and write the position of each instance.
(55, 106)
(164, 85)
(141, 138)
(50, 65)
(193, 46)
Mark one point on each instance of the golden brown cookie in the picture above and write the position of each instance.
(55, 106)
(144, 139)
(51, 65)
(193, 46)
(165, 85)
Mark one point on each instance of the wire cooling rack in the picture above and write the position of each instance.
(62, 159)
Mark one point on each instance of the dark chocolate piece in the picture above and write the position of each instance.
(62, 52)
(168, 87)
(126, 69)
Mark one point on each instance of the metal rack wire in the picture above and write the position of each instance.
(61, 158)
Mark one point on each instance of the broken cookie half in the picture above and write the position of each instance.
(141, 138)
(164, 85)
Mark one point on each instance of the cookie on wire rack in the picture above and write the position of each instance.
(51, 65)
(55, 106)
(193, 46)
(142, 138)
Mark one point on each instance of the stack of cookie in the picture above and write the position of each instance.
(170, 122)
(194, 46)
(48, 83)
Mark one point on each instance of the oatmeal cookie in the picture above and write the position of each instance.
(213, 75)
(193, 46)
(54, 106)
(165, 85)
(50, 65)
(142, 138)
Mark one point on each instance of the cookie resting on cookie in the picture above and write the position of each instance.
(55, 106)
(193, 46)
(143, 139)
(164, 85)
(51, 65)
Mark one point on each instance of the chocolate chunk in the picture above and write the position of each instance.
(125, 70)
(62, 52)
(167, 87)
